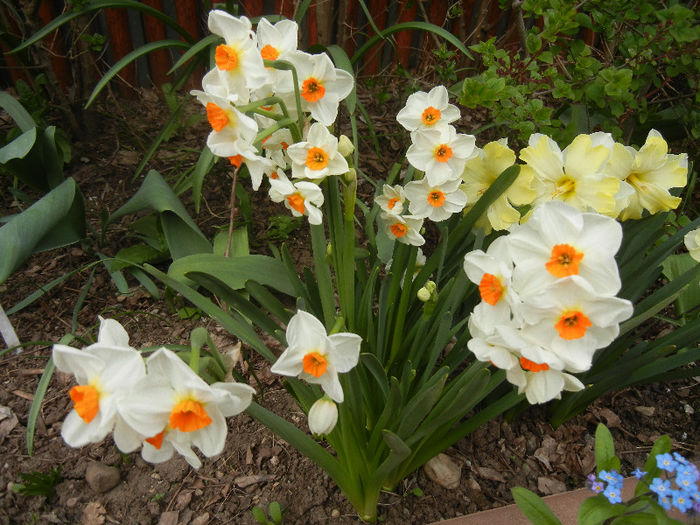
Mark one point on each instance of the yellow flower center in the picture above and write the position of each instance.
(436, 198)
(216, 116)
(296, 202)
(566, 187)
(531, 366)
(316, 159)
(315, 364)
(564, 260)
(490, 289)
(443, 153)
(572, 325)
(226, 57)
(269, 53)
(86, 401)
(312, 90)
(430, 116)
(189, 415)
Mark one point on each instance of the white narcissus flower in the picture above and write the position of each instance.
(317, 357)
(323, 415)
(403, 228)
(392, 199)
(436, 202)
(105, 371)
(427, 110)
(318, 157)
(574, 175)
(322, 86)
(558, 241)
(492, 271)
(277, 42)
(648, 174)
(275, 147)
(176, 409)
(479, 174)
(233, 132)
(301, 198)
(440, 152)
(692, 242)
(238, 56)
(570, 319)
(539, 376)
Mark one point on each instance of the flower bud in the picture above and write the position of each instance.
(424, 295)
(431, 287)
(345, 146)
(323, 416)
(350, 176)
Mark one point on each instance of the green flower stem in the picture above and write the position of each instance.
(283, 123)
(288, 66)
(311, 449)
(406, 296)
(346, 266)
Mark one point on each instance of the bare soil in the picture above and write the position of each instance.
(256, 467)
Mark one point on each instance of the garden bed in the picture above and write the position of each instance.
(257, 468)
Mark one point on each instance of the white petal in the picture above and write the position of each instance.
(345, 350)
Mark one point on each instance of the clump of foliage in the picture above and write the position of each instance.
(614, 66)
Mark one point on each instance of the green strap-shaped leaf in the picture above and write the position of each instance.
(33, 228)
(235, 271)
(96, 6)
(533, 507)
(398, 451)
(595, 510)
(408, 26)
(128, 59)
(19, 147)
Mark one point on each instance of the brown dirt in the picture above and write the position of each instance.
(498, 456)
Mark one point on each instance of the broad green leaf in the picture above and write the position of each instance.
(136, 254)
(33, 228)
(234, 272)
(19, 147)
(605, 458)
(595, 510)
(533, 507)
(181, 232)
(15, 109)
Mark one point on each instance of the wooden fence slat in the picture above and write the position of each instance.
(55, 46)
(407, 13)
(187, 15)
(252, 8)
(154, 29)
(378, 10)
(120, 40)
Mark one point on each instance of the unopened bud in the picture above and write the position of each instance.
(323, 416)
(424, 295)
(329, 250)
(350, 176)
(431, 287)
(345, 146)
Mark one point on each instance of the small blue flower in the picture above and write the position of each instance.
(639, 474)
(680, 459)
(666, 462)
(597, 487)
(665, 501)
(689, 472)
(611, 477)
(613, 493)
(681, 500)
(686, 483)
(660, 486)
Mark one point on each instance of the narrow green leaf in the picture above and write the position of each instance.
(128, 59)
(533, 507)
(375, 368)
(194, 50)
(398, 451)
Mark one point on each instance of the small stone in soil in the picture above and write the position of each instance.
(202, 519)
(101, 478)
(443, 471)
(169, 518)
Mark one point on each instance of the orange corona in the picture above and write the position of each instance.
(564, 261)
(572, 325)
(189, 415)
(226, 57)
(86, 401)
(312, 90)
(490, 289)
(315, 364)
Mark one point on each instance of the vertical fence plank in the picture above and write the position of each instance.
(312, 26)
(407, 13)
(284, 8)
(187, 15)
(252, 8)
(154, 29)
(372, 61)
(55, 46)
(120, 40)
(350, 27)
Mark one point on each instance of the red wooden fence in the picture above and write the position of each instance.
(326, 22)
